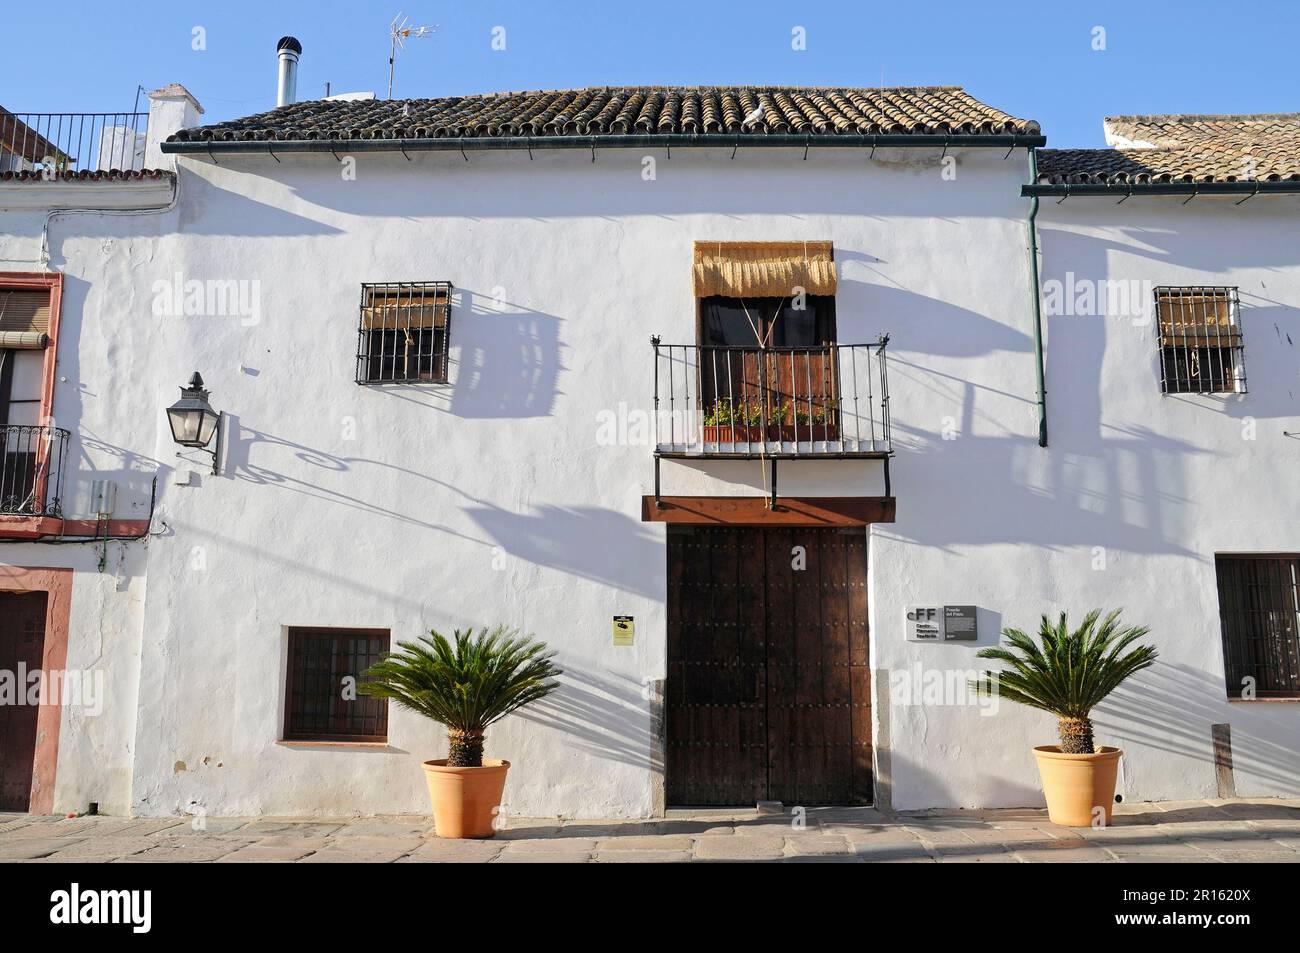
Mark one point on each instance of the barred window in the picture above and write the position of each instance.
(1200, 341)
(325, 668)
(404, 332)
(1259, 611)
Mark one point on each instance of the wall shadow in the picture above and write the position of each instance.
(508, 358)
(602, 715)
(1171, 708)
(590, 542)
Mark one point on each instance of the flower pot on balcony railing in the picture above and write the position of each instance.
(775, 433)
(750, 423)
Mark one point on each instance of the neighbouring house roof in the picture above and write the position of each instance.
(19, 139)
(1152, 150)
(702, 115)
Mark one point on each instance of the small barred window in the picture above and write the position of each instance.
(404, 333)
(1200, 341)
(1259, 611)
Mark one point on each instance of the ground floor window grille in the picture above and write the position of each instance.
(325, 668)
(1200, 341)
(404, 332)
(1259, 611)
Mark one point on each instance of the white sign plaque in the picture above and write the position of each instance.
(925, 624)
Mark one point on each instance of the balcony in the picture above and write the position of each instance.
(772, 403)
(31, 470)
(52, 145)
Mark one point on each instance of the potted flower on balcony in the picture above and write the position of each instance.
(465, 684)
(741, 422)
(803, 421)
(826, 420)
(1068, 674)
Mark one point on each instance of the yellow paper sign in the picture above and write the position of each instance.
(624, 629)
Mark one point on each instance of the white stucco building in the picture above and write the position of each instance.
(428, 325)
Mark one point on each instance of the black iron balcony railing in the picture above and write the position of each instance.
(31, 470)
(72, 142)
(831, 400)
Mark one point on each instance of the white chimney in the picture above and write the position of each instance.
(286, 90)
(171, 109)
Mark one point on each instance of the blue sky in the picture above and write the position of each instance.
(1031, 59)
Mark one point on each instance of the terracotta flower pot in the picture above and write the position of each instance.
(780, 433)
(1075, 784)
(733, 433)
(465, 799)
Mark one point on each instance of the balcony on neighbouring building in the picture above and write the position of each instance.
(775, 402)
(31, 470)
(50, 145)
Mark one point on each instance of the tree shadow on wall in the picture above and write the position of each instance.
(604, 716)
(1171, 708)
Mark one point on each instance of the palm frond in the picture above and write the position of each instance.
(467, 682)
(1067, 673)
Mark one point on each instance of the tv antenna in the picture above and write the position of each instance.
(399, 31)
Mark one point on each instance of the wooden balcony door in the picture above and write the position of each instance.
(769, 362)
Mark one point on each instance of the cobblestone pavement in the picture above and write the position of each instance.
(1165, 832)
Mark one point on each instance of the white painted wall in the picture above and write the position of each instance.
(1159, 484)
(105, 397)
(491, 499)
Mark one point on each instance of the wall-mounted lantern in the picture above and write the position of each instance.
(194, 422)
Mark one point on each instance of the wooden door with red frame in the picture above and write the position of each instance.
(769, 677)
(22, 644)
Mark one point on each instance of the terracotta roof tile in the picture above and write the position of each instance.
(631, 110)
(1191, 149)
(84, 175)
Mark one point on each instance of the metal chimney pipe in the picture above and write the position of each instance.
(286, 90)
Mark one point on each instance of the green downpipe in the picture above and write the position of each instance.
(1038, 305)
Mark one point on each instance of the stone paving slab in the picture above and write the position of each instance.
(544, 844)
(208, 825)
(334, 856)
(542, 857)
(661, 842)
(816, 844)
(291, 828)
(643, 857)
(184, 854)
(1241, 831)
(739, 847)
(266, 855)
(33, 848)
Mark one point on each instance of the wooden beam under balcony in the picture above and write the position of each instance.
(758, 511)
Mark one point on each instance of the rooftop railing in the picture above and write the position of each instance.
(72, 142)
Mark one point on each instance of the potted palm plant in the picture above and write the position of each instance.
(1068, 674)
(465, 683)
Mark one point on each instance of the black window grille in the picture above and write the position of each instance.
(1259, 610)
(404, 331)
(325, 668)
(1200, 341)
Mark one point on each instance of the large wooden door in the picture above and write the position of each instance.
(22, 642)
(769, 686)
